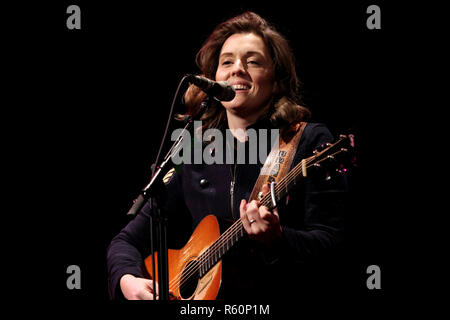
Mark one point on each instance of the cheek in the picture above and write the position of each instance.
(264, 78)
(221, 75)
(266, 86)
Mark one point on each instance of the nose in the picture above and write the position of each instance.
(238, 68)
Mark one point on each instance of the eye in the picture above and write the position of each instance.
(254, 62)
(226, 62)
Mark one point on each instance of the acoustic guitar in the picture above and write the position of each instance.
(195, 271)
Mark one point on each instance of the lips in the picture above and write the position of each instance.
(240, 86)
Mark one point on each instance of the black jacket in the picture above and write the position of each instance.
(303, 259)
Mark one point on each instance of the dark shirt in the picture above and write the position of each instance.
(311, 220)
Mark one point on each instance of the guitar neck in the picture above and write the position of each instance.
(221, 246)
(286, 184)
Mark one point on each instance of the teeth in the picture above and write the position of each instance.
(240, 87)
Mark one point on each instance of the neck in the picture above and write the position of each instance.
(238, 125)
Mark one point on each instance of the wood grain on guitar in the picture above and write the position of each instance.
(193, 275)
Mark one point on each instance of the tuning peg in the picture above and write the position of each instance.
(322, 147)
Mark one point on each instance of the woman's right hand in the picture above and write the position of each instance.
(134, 288)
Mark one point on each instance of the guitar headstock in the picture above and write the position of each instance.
(334, 158)
(331, 158)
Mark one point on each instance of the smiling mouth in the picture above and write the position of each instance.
(241, 87)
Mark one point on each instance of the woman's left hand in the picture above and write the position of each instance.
(260, 223)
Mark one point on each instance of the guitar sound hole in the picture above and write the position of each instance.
(189, 280)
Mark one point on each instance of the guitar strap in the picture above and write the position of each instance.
(279, 159)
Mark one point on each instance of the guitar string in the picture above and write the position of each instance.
(236, 227)
(212, 250)
(201, 260)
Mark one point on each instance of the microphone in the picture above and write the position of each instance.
(221, 90)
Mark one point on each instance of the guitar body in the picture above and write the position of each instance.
(184, 282)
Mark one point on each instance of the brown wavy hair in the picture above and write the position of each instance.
(286, 109)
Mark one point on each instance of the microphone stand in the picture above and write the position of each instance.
(154, 192)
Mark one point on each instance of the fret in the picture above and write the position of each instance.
(215, 252)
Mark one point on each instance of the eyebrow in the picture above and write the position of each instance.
(248, 53)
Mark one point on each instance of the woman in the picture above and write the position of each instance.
(285, 247)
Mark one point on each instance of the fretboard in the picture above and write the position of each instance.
(222, 245)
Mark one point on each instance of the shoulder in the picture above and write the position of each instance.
(314, 135)
(317, 129)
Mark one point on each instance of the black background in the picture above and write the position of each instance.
(89, 109)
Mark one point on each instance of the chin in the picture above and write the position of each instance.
(232, 105)
(236, 103)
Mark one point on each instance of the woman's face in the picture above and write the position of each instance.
(245, 63)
